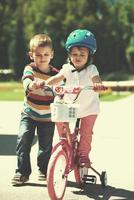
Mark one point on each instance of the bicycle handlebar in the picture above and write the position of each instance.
(70, 90)
(61, 90)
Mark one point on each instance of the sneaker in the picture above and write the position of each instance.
(42, 176)
(19, 179)
(84, 161)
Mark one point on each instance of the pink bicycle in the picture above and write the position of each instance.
(64, 157)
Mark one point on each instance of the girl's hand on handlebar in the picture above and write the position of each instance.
(99, 87)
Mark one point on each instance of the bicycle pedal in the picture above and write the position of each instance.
(89, 179)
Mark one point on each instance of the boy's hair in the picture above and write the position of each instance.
(40, 40)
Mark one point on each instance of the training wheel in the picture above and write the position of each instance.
(103, 178)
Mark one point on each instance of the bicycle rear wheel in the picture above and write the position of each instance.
(56, 181)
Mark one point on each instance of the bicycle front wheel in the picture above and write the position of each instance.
(56, 180)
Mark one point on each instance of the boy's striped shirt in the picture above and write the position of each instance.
(37, 102)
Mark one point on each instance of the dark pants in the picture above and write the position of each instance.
(45, 131)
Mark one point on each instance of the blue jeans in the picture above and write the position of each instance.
(45, 132)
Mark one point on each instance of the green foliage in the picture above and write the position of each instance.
(111, 21)
(11, 91)
(114, 96)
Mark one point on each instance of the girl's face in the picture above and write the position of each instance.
(79, 56)
(42, 57)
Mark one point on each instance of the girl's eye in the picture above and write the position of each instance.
(75, 55)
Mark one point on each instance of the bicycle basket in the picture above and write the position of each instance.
(61, 112)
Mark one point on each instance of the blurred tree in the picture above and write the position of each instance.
(129, 34)
(6, 21)
(46, 17)
(12, 48)
(112, 22)
(122, 32)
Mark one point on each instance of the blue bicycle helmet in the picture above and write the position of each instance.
(81, 37)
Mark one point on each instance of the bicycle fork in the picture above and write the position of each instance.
(69, 155)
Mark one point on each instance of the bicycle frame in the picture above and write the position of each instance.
(65, 153)
(68, 144)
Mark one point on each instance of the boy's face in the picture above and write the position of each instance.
(42, 57)
(79, 56)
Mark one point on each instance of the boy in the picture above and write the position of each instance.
(36, 110)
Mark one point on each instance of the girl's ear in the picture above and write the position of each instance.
(30, 55)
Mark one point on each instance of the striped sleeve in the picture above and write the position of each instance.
(27, 77)
(28, 73)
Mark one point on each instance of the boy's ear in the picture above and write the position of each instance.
(30, 55)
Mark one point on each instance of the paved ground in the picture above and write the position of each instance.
(112, 150)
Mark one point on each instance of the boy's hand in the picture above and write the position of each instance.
(34, 85)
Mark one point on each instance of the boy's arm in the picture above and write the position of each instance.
(29, 83)
(27, 77)
(26, 83)
(54, 79)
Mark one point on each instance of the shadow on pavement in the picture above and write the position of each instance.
(8, 144)
(32, 185)
(97, 192)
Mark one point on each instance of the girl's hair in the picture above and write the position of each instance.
(40, 40)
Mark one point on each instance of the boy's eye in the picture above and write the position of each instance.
(40, 55)
(73, 54)
(37, 55)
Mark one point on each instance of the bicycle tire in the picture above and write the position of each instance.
(56, 183)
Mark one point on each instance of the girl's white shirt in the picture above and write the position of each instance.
(88, 100)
